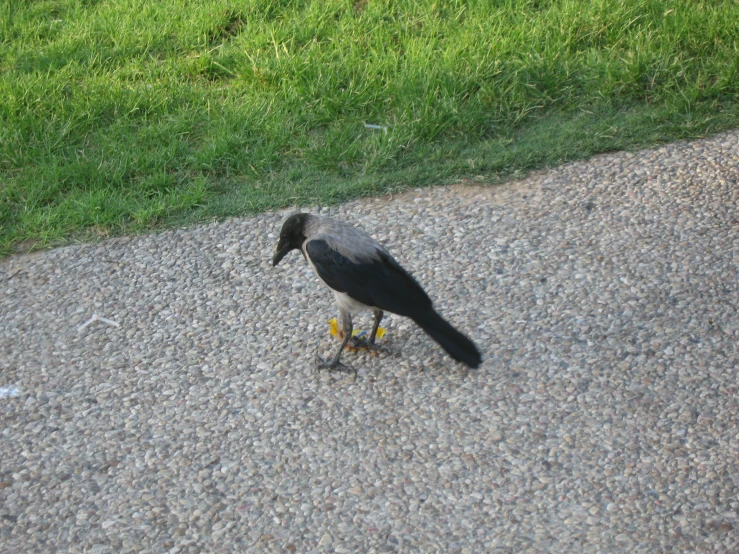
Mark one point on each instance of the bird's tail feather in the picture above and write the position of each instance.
(455, 343)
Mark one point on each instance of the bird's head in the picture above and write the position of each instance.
(292, 236)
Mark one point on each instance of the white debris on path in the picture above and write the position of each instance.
(8, 392)
(95, 318)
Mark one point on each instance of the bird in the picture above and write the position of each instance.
(365, 277)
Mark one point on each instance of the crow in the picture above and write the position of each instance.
(365, 277)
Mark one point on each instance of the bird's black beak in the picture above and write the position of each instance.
(280, 252)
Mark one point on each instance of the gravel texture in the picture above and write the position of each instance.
(604, 418)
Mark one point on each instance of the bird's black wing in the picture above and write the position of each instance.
(381, 282)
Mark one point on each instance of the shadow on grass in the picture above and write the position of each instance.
(186, 198)
(547, 142)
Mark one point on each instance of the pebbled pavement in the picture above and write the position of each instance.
(604, 295)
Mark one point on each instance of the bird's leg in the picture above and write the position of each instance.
(335, 364)
(378, 317)
(370, 342)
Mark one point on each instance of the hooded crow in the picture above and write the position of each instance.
(365, 277)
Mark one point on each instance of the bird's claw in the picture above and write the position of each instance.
(355, 343)
(335, 367)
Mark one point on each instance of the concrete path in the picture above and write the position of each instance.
(188, 417)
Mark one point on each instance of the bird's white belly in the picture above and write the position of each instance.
(350, 305)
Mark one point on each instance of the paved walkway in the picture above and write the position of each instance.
(604, 295)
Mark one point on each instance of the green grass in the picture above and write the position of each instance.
(118, 116)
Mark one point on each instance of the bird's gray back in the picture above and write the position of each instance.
(347, 240)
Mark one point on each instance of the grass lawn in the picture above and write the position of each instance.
(121, 115)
